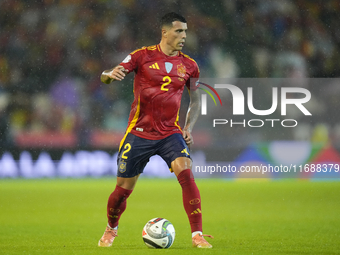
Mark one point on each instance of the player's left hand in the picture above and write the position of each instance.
(188, 137)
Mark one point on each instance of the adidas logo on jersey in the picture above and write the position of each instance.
(154, 66)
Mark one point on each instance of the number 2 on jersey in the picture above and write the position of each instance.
(127, 148)
(167, 80)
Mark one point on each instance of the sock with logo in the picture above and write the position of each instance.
(117, 205)
(191, 199)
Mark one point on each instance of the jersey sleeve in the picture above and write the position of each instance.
(130, 63)
(192, 83)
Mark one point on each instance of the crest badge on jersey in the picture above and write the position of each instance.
(181, 70)
(168, 67)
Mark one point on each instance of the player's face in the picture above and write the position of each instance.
(176, 35)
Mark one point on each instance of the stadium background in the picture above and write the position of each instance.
(53, 106)
(57, 120)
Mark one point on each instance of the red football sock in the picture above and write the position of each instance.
(191, 199)
(116, 205)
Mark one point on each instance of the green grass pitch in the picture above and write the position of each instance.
(68, 216)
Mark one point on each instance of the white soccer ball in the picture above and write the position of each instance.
(158, 233)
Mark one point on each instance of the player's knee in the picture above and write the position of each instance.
(127, 183)
(180, 164)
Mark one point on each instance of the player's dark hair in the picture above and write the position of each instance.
(170, 17)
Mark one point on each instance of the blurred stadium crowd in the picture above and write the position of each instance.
(53, 51)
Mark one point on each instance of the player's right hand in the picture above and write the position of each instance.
(117, 73)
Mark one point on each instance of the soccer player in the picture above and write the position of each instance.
(161, 73)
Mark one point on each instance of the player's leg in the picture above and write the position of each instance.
(191, 196)
(176, 153)
(181, 166)
(117, 200)
(116, 205)
(132, 158)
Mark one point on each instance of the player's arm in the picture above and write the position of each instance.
(115, 74)
(192, 115)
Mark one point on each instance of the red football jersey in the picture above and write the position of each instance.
(158, 86)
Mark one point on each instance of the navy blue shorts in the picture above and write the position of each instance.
(136, 152)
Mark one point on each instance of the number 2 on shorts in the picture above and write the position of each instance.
(127, 148)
